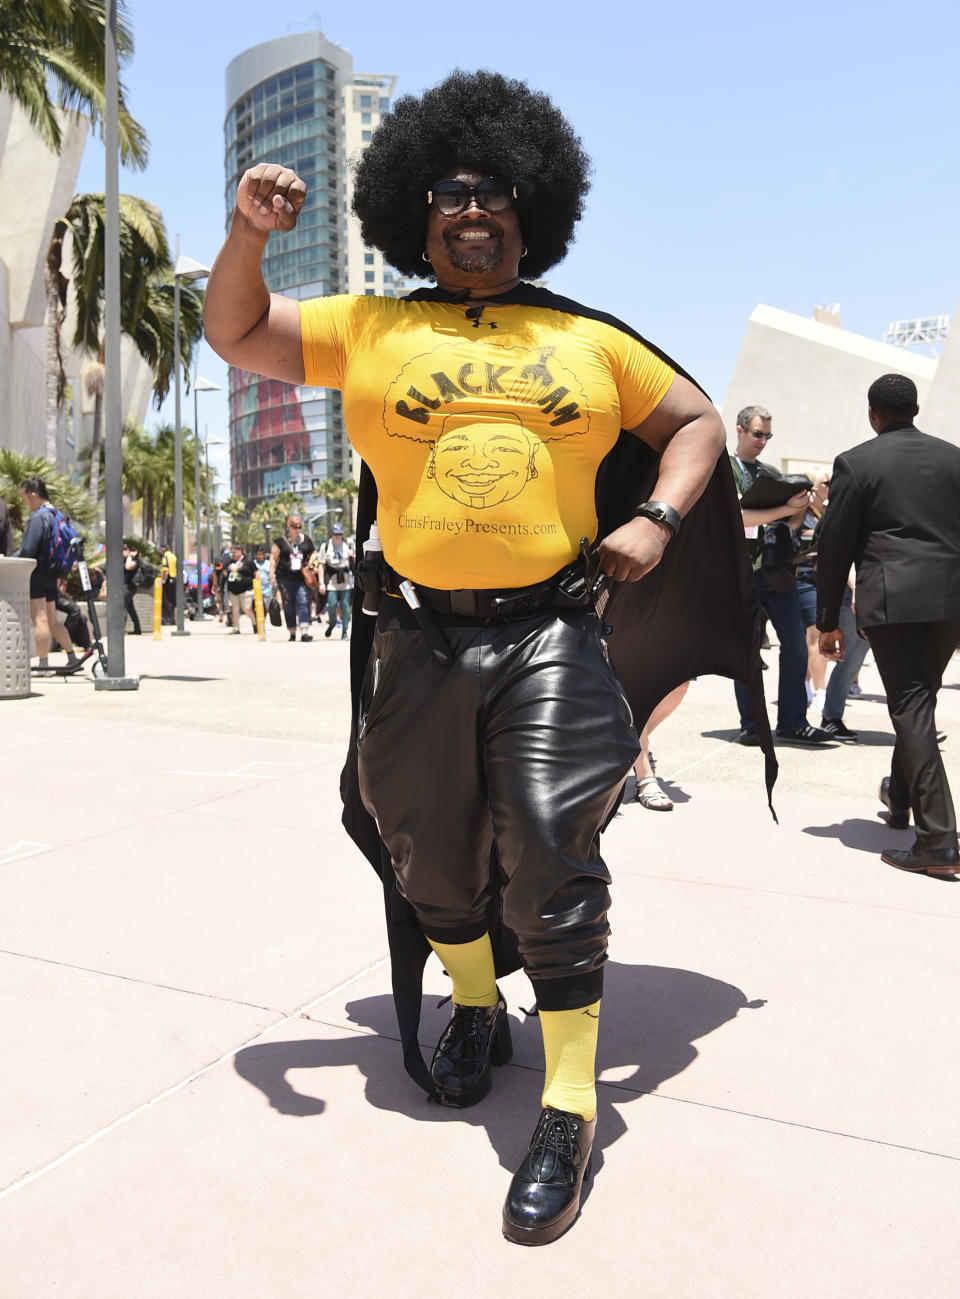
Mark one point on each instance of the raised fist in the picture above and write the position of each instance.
(270, 196)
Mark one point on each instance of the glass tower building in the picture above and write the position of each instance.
(297, 100)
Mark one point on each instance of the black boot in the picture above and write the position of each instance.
(544, 1196)
(475, 1037)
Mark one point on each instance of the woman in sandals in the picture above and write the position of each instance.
(650, 793)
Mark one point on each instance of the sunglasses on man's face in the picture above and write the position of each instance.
(451, 197)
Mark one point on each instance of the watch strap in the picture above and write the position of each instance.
(660, 512)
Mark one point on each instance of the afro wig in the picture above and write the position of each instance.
(472, 119)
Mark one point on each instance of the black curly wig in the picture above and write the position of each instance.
(472, 119)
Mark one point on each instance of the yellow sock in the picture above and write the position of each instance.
(570, 1051)
(470, 966)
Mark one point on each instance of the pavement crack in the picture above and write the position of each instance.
(123, 1119)
(786, 1123)
(131, 978)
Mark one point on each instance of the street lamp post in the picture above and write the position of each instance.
(199, 385)
(115, 677)
(185, 268)
(208, 443)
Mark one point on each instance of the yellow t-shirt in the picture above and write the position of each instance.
(484, 437)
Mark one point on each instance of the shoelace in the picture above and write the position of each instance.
(465, 1024)
(555, 1135)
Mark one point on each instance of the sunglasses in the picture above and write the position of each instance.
(451, 197)
(762, 437)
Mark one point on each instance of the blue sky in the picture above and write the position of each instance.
(743, 152)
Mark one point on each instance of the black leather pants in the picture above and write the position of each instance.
(524, 740)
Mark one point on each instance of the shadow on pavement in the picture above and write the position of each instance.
(652, 1015)
(867, 739)
(160, 676)
(868, 836)
(872, 739)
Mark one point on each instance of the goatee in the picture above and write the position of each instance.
(473, 259)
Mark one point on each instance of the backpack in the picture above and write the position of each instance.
(145, 574)
(60, 553)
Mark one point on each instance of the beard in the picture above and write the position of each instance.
(475, 258)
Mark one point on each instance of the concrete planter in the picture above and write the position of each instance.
(15, 627)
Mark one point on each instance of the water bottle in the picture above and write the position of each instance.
(372, 554)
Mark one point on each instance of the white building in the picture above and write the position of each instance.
(813, 376)
(26, 228)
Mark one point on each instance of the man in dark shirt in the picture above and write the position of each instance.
(893, 511)
(131, 566)
(240, 577)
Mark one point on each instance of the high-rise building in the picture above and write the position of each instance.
(296, 100)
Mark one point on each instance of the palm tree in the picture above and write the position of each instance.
(340, 490)
(235, 508)
(68, 497)
(349, 492)
(52, 55)
(268, 517)
(146, 302)
(148, 473)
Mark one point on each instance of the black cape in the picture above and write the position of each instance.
(695, 614)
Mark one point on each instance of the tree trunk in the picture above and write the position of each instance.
(94, 381)
(96, 445)
(56, 288)
(52, 405)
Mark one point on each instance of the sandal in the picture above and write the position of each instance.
(650, 794)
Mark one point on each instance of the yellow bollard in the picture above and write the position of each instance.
(258, 608)
(157, 606)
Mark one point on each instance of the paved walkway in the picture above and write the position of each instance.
(201, 1091)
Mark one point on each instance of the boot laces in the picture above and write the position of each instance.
(554, 1145)
(466, 1023)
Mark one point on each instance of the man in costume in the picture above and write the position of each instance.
(484, 409)
(894, 512)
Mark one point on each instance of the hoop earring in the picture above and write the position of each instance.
(524, 253)
(425, 257)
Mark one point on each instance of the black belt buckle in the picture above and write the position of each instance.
(531, 600)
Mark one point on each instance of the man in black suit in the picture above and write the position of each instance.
(895, 511)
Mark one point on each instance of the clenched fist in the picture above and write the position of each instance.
(630, 552)
(270, 197)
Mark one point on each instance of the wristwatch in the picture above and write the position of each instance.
(660, 512)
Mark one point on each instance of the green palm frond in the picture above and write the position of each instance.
(68, 496)
(52, 55)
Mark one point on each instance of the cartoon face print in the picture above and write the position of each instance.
(483, 458)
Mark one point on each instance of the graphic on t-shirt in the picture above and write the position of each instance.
(484, 454)
(483, 458)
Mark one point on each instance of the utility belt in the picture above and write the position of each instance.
(576, 586)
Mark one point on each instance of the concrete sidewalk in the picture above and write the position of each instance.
(202, 1092)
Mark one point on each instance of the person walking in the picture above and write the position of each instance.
(289, 555)
(483, 409)
(168, 592)
(131, 566)
(337, 559)
(776, 590)
(35, 545)
(893, 511)
(240, 577)
(263, 571)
